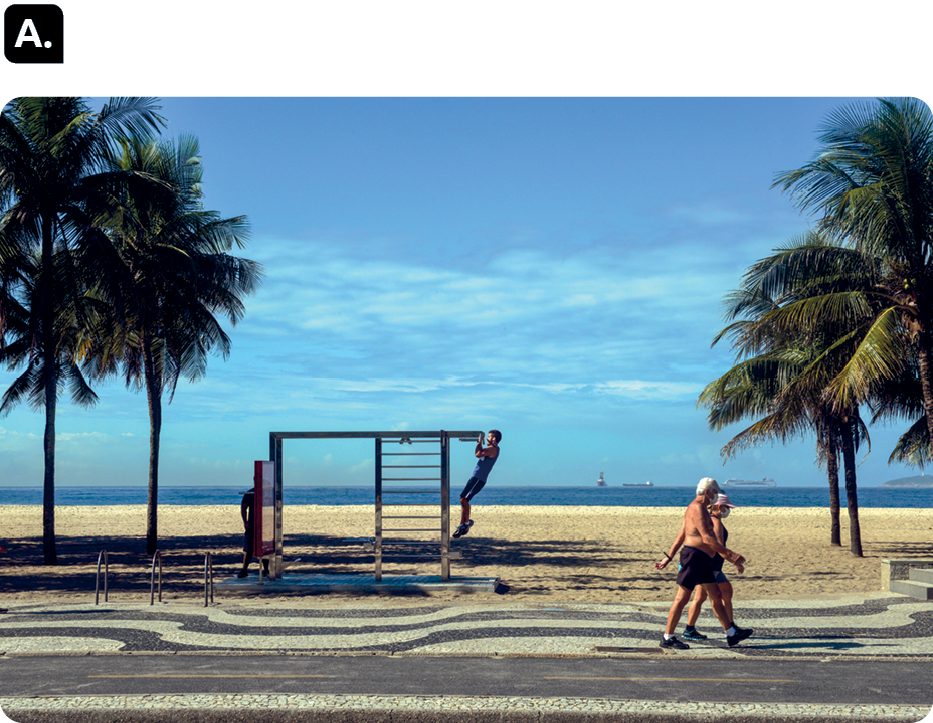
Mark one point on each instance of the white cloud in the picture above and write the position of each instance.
(83, 437)
(650, 390)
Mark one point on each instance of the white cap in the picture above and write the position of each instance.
(707, 483)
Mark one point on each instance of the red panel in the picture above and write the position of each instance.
(264, 512)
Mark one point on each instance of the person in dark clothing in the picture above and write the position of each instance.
(247, 507)
(487, 457)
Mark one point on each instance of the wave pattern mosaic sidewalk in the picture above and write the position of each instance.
(872, 625)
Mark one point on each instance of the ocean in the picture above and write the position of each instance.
(491, 495)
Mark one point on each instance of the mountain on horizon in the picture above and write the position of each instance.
(921, 480)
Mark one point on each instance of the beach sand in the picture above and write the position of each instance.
(541, 554)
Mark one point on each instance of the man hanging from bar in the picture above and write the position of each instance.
(487, 457)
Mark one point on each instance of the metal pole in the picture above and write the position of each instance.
(277, 568)
(445, 506)
(209, 576)
(156, 556)
(377, 544)
(102, 556)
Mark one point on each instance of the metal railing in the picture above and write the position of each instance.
(157, 556)
(103, 559)
(209, 576)
(102, 556)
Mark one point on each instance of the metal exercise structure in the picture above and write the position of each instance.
(436, 471)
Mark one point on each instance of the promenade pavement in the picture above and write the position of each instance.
(867, 627)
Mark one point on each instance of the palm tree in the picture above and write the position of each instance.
(52, 151)
(174, 276)
(872, 182)
(17, 349)
(803, 308)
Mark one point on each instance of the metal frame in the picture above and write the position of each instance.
(276, 456)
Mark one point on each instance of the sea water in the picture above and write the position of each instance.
(868, 497)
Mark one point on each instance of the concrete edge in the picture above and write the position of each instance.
(379, 708)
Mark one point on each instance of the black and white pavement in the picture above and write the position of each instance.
(868, 627)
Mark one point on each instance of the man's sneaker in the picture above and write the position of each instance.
(740, 635)
(674, 643)
(461, 530)
(470, 523)
(695, 635)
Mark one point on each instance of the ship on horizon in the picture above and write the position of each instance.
(649, 483)
(763, 482)
(601, 482)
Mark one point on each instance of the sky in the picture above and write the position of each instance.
(547, 264)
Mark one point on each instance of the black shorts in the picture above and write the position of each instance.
(696, 568)
(473, 486)
(249, 535)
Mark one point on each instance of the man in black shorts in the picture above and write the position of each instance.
(700, 546)
(487, 457)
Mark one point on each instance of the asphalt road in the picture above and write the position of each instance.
(663, 679)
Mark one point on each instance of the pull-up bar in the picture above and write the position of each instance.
(277, 457)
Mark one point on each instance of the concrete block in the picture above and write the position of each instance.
(900, 570)
(919, 590)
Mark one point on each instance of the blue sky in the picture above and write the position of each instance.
(553, 268)
(526, 224)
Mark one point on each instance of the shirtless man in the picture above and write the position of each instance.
(700, 545)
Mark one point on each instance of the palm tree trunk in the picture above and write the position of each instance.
(832, 473)
(154, 396)
(848, 462)
(48, 485)
(50, 382)
(925, 363)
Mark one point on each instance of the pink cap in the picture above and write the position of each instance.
(723, 500)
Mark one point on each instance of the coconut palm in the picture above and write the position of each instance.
(18, 351)
(804, 309)
(52, 152)
(872, 183)
(174, 277)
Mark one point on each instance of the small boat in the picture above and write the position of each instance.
(601, 482)
(649, 483)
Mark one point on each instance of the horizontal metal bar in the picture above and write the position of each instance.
(432, 436)
(412, 479)
(435, 541)
(450, 556)
(411, 454)
(409, 504)
(411, 466)
(409, 529)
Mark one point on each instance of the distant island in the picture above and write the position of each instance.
(918, 481)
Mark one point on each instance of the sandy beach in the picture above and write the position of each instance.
(541, 554)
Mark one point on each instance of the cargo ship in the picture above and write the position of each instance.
(601, 482)
(649, 483)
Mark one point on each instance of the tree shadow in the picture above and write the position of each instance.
(901, 550)
(580, 564)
